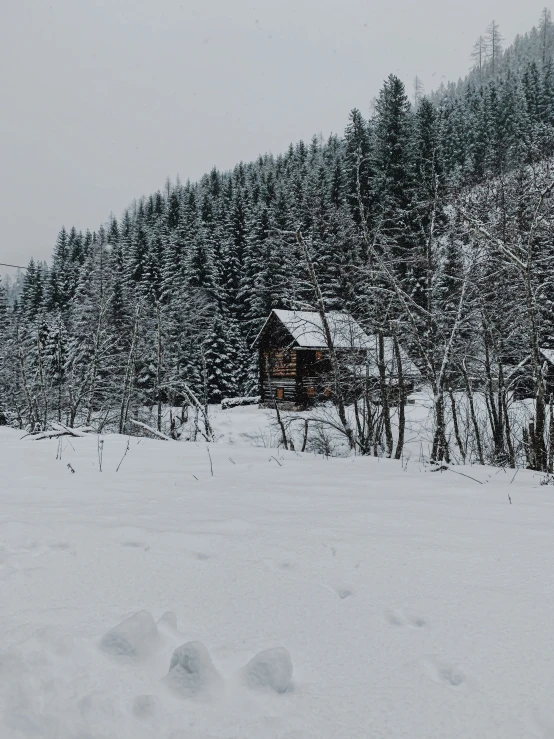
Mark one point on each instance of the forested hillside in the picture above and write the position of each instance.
(431, 220)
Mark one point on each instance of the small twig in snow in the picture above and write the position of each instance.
(124, 454)
(468, 476)
(444, 468)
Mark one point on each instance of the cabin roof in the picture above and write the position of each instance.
(306, 329)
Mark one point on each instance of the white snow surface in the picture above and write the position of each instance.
(288, 596)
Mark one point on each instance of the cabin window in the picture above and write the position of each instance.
(327, 392)
(287, 357)
(280, 393)
(318, 356)
(311, 392)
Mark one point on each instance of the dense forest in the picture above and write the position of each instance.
(431, 220)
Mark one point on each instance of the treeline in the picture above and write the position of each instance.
(430, 219)
(491, 62)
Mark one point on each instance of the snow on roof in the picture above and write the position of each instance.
(307, 329)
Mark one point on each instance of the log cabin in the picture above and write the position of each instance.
(294, 366)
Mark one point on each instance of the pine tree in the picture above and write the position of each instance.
(3, 308)
(220, 358)
(493, 40)
(546, 33)
(357, 164)
(428, 198)
(393, 180)
(479, 56)
(56, 357)
(32, 295)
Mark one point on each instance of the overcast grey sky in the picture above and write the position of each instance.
(101, 100)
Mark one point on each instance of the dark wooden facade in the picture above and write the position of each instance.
(293, 376)
(296, 377)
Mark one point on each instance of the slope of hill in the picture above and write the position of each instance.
(492, 62)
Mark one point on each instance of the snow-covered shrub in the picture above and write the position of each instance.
(227, 403)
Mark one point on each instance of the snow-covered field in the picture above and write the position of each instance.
(412, 604)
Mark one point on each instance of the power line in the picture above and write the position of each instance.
(17, 266)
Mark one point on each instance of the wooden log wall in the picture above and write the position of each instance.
(287, 383)
(282, 363)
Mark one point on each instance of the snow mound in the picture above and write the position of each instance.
(270, 669)
(191, 671)
(134, 637)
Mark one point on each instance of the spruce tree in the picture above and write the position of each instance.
(220, 358)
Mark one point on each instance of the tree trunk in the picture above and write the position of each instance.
(401, 398)
(384, 394)
(550, 437)
(473, 417)
(439, 450)
(456, 425)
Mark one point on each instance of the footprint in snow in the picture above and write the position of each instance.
(341, 591)
(443, 672)
(38, 549)
(135, 545)
(397, 617)
(344, 593)
(60, 546)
